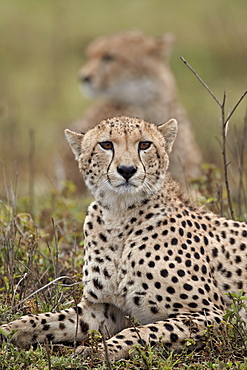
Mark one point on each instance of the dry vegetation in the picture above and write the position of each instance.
(41, 242)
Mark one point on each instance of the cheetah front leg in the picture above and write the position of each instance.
(65, 326)
(173, 333)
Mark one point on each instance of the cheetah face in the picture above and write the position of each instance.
(123, 159)
(122, 66)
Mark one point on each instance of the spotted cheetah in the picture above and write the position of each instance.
(129, 74)
(149, 252)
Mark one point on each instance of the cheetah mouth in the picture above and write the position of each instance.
(126, 186)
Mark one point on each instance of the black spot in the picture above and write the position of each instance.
(138, 232)
(46, 327)
(168, 327)
(177, 305)
(96, 269)
(151, 264)
(157, 285)
(156, 247)
(164, 273)
(181, 232)
(174, 241)
(93, 294)
(159, 298)
(187, 263)
(170, 290)
(50, 337)
(239, 272)
(98, 259)
(242, 247)
(120, 336)
(129, 342)
(183, 296)
(89, 225)
(238, 259)
(240, 285)
(197, 239)
(181, 273)
(154, 329)
(154, 310)
(97, 284)
(145, 286)
(61, 326)
(174, 337)
(143, 246)
(103, 237)
(149, 215)
(106, 273)
(61, 317)
(187, 287)
(137, 301)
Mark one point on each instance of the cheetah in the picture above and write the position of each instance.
(149, 252)
(129, 72)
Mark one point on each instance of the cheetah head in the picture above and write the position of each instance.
(123, 160)
(124, 65)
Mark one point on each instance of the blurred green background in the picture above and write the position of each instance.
(42, 47)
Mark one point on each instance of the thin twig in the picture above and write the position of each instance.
(31, 170)
(199, 78)
(237, 104)
(107, 358)
(224, 124)
(224, 130)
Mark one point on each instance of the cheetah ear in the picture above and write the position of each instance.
(164, 45)
(74, 139)
(169, 130)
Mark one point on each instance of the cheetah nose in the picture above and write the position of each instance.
(86, 79)
(126, 171)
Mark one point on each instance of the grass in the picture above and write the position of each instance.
(41, 245)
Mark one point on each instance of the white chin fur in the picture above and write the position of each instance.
(118, 199)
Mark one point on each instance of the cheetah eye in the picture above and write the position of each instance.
(107, 145)
(107, 57)
(143, 145)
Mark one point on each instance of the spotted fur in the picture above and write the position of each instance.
(149, 252)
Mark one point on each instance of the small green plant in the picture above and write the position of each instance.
(237, 327)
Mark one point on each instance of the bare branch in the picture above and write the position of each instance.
(200, 79)
(237, 104)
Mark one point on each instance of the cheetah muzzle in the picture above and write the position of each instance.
(149, 252)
